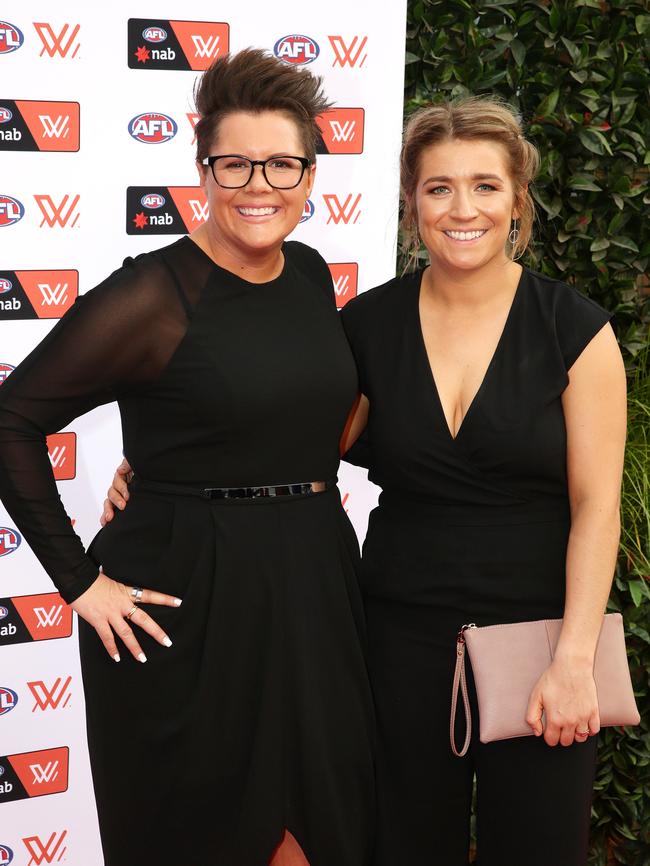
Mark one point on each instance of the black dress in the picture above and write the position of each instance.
(471, 529)
(259, 717)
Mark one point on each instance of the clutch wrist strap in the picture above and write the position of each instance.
(460, 682)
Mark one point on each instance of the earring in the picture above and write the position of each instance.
(513, 237)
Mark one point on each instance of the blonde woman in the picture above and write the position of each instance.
(495, 399)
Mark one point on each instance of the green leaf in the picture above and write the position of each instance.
(624, 243)
(547, 105)
(411, 58)
(518, 51)
(642, 24)
(599, 244)
(583, 181)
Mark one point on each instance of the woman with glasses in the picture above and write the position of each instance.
(234, 728)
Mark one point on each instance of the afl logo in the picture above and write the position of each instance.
(11, 210)
(5, 285)
(154, 34)
(152, 128)
(5, 370)
(8, 700)
(153, 200)
(5, 114)
(3, 612)
(296, 49)
(9, 541)
(308, 211)
(6, 854)
(10, 38)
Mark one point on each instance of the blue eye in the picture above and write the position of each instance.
(487, 186)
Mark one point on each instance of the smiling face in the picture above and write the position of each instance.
(465, 202)
(253, 221)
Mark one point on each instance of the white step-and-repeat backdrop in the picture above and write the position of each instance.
(97, 163)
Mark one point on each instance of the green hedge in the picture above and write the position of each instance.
(576, 71)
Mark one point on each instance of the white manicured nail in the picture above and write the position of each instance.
(142, 657)
(116, 657)
(167, 642)
(178, 602)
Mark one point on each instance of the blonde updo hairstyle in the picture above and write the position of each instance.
(474, 118)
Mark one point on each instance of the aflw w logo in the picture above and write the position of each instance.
(45, 853)
(346, 212)
(45, 774)
(199, 211)
(343, 131)
(58, 214)
(48, 618)
(54, 296)
(57, 456)
(59, 128)
(205, 47)
(54, 44)
(345, 55)
(51, 698)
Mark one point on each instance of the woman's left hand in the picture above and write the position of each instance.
(566, 695)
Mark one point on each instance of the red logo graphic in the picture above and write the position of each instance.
(191, 203)
(342, 130)
(348, 55)
(62, 43)
(346, 212)
(46, 615)
(43, 772)
(60, 214)
(345, 276)
(9, 540)
(50, 293)
(51, 851)
(53, 125)
(193, 118)
(10, 37)
(45, 698)
(152, 128)
(62, 448)
(11, 210)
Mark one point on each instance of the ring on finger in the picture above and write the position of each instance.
(136, 593)
(131, 612)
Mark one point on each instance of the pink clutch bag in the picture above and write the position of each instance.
(507, 660)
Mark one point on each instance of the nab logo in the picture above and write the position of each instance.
(58, 214)
(346, 212)
(10, 38)
(8, 700)
(154, 34)
(308, 211)
(63, 43)
(296, 49)
(9, 540)
(5, 114)
(5, 285)
(152, 128)
(45, 852)
(352, 54)
(153, 200)
(6, 855)
(62, 450)
(11, 210)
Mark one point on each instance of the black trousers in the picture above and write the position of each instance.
(533, 801)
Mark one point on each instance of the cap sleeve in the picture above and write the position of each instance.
(577, 321)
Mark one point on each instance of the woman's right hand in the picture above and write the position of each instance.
(107, 605)
(118, 492)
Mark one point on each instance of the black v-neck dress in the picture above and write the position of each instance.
(468, 529)
(259, 717)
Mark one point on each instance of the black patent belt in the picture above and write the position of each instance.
(297, 489)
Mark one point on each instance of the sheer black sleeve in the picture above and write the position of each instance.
(114, 340)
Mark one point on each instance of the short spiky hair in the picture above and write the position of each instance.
(254, 80)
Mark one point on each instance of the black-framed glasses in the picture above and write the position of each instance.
(232, 171)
